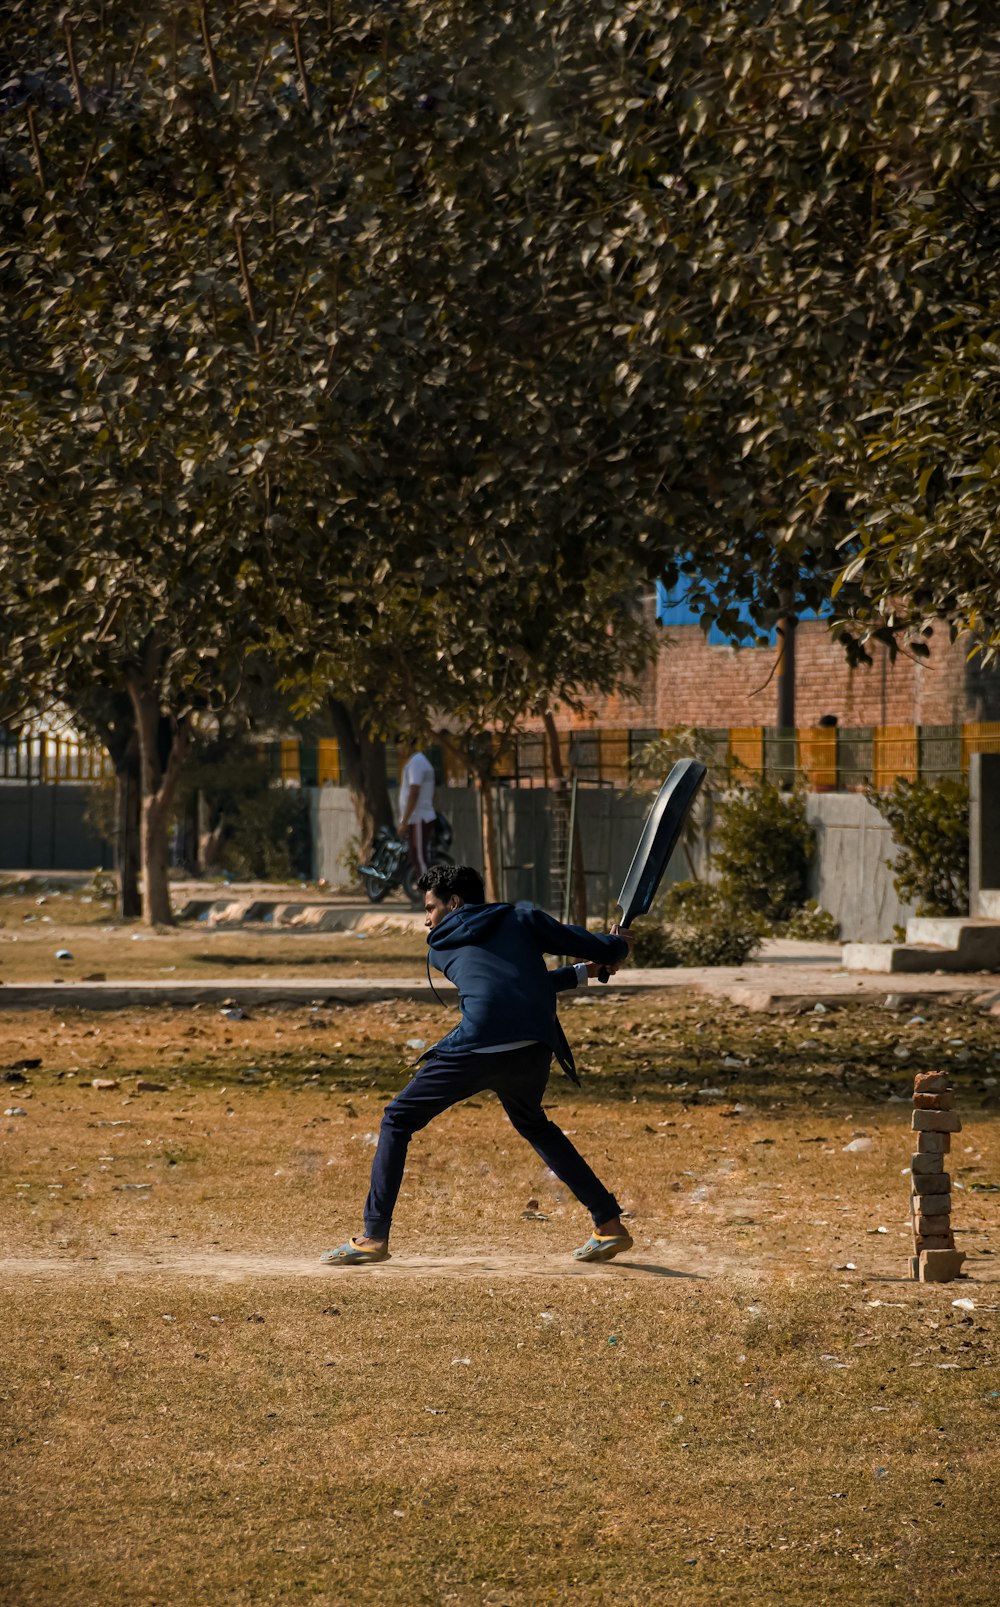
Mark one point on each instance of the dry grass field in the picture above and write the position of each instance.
(753, 1406)
(37, 925)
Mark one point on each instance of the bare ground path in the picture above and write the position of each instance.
(661, 1259)
(240, 1267)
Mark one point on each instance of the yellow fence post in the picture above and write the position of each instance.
(817, 749)
(746, 751)
(894, 755)
(980, 736)
(290, 760)
(328, 762)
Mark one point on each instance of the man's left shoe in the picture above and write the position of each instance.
(603, 1249)
(353, 1254)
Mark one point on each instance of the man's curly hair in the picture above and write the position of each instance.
(458, 880)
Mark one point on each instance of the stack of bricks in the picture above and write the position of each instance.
(935, 1259)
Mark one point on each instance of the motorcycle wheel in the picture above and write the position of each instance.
(410, 887)
(376, 891)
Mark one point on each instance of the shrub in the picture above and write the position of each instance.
(810, 924)
(268, 836)
(695, 926)
(930, 827)
(762, 850)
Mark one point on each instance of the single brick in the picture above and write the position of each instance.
(932, 1226)
(940, 1266)
(924, 1165)
(935, 1121)
(934, 1143)
(931, 1082)
(934, 1101)
(936, 1183)
(934, 1241)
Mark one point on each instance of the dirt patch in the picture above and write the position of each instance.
(236, 1268)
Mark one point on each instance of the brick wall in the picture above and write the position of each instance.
(693, 683)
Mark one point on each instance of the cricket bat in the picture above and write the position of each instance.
(662, 828)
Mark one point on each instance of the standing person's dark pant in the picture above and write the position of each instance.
(518, 1078)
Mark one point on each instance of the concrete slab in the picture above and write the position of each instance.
(390, 921)
(756, 986)
(195, 909)
(213, 992)
(229, 912)
(897, 958)
(313, 915)
(976, 942)
(286, 914)
(953, 944)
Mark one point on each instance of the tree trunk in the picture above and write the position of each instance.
(578, 906)
(786, 696)
(127, 823)
(491, 865)
(157, 908)
(362, 765)
(210, 834)
(786, 672)
(162, 747)
(110, 715)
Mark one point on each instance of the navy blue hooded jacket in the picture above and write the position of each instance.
(493, 953)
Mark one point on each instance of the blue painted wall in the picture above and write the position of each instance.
(673, 608)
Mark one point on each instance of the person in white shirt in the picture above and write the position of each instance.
(416, 805)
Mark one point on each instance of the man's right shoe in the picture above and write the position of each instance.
(603, 1249)
(353, 1254)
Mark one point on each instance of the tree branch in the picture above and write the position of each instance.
(74, 70)
(36, 147)
(301, 64)
(247, 283)
(213, 72)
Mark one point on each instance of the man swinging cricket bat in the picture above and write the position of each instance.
(509, 1031)
(508, 1034)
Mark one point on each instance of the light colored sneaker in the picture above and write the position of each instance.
(603, 1249)
(353, 1254)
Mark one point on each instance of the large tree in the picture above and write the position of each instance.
(333, 292)
(163, 377)
(675, 280)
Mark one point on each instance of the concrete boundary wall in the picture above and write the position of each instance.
(44, 827)
(851, 877)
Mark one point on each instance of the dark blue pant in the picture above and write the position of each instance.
(518, 1078)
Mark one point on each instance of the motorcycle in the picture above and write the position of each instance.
(389, 865)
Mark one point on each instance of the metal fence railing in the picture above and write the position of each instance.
(825, 758)
(46, 759)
